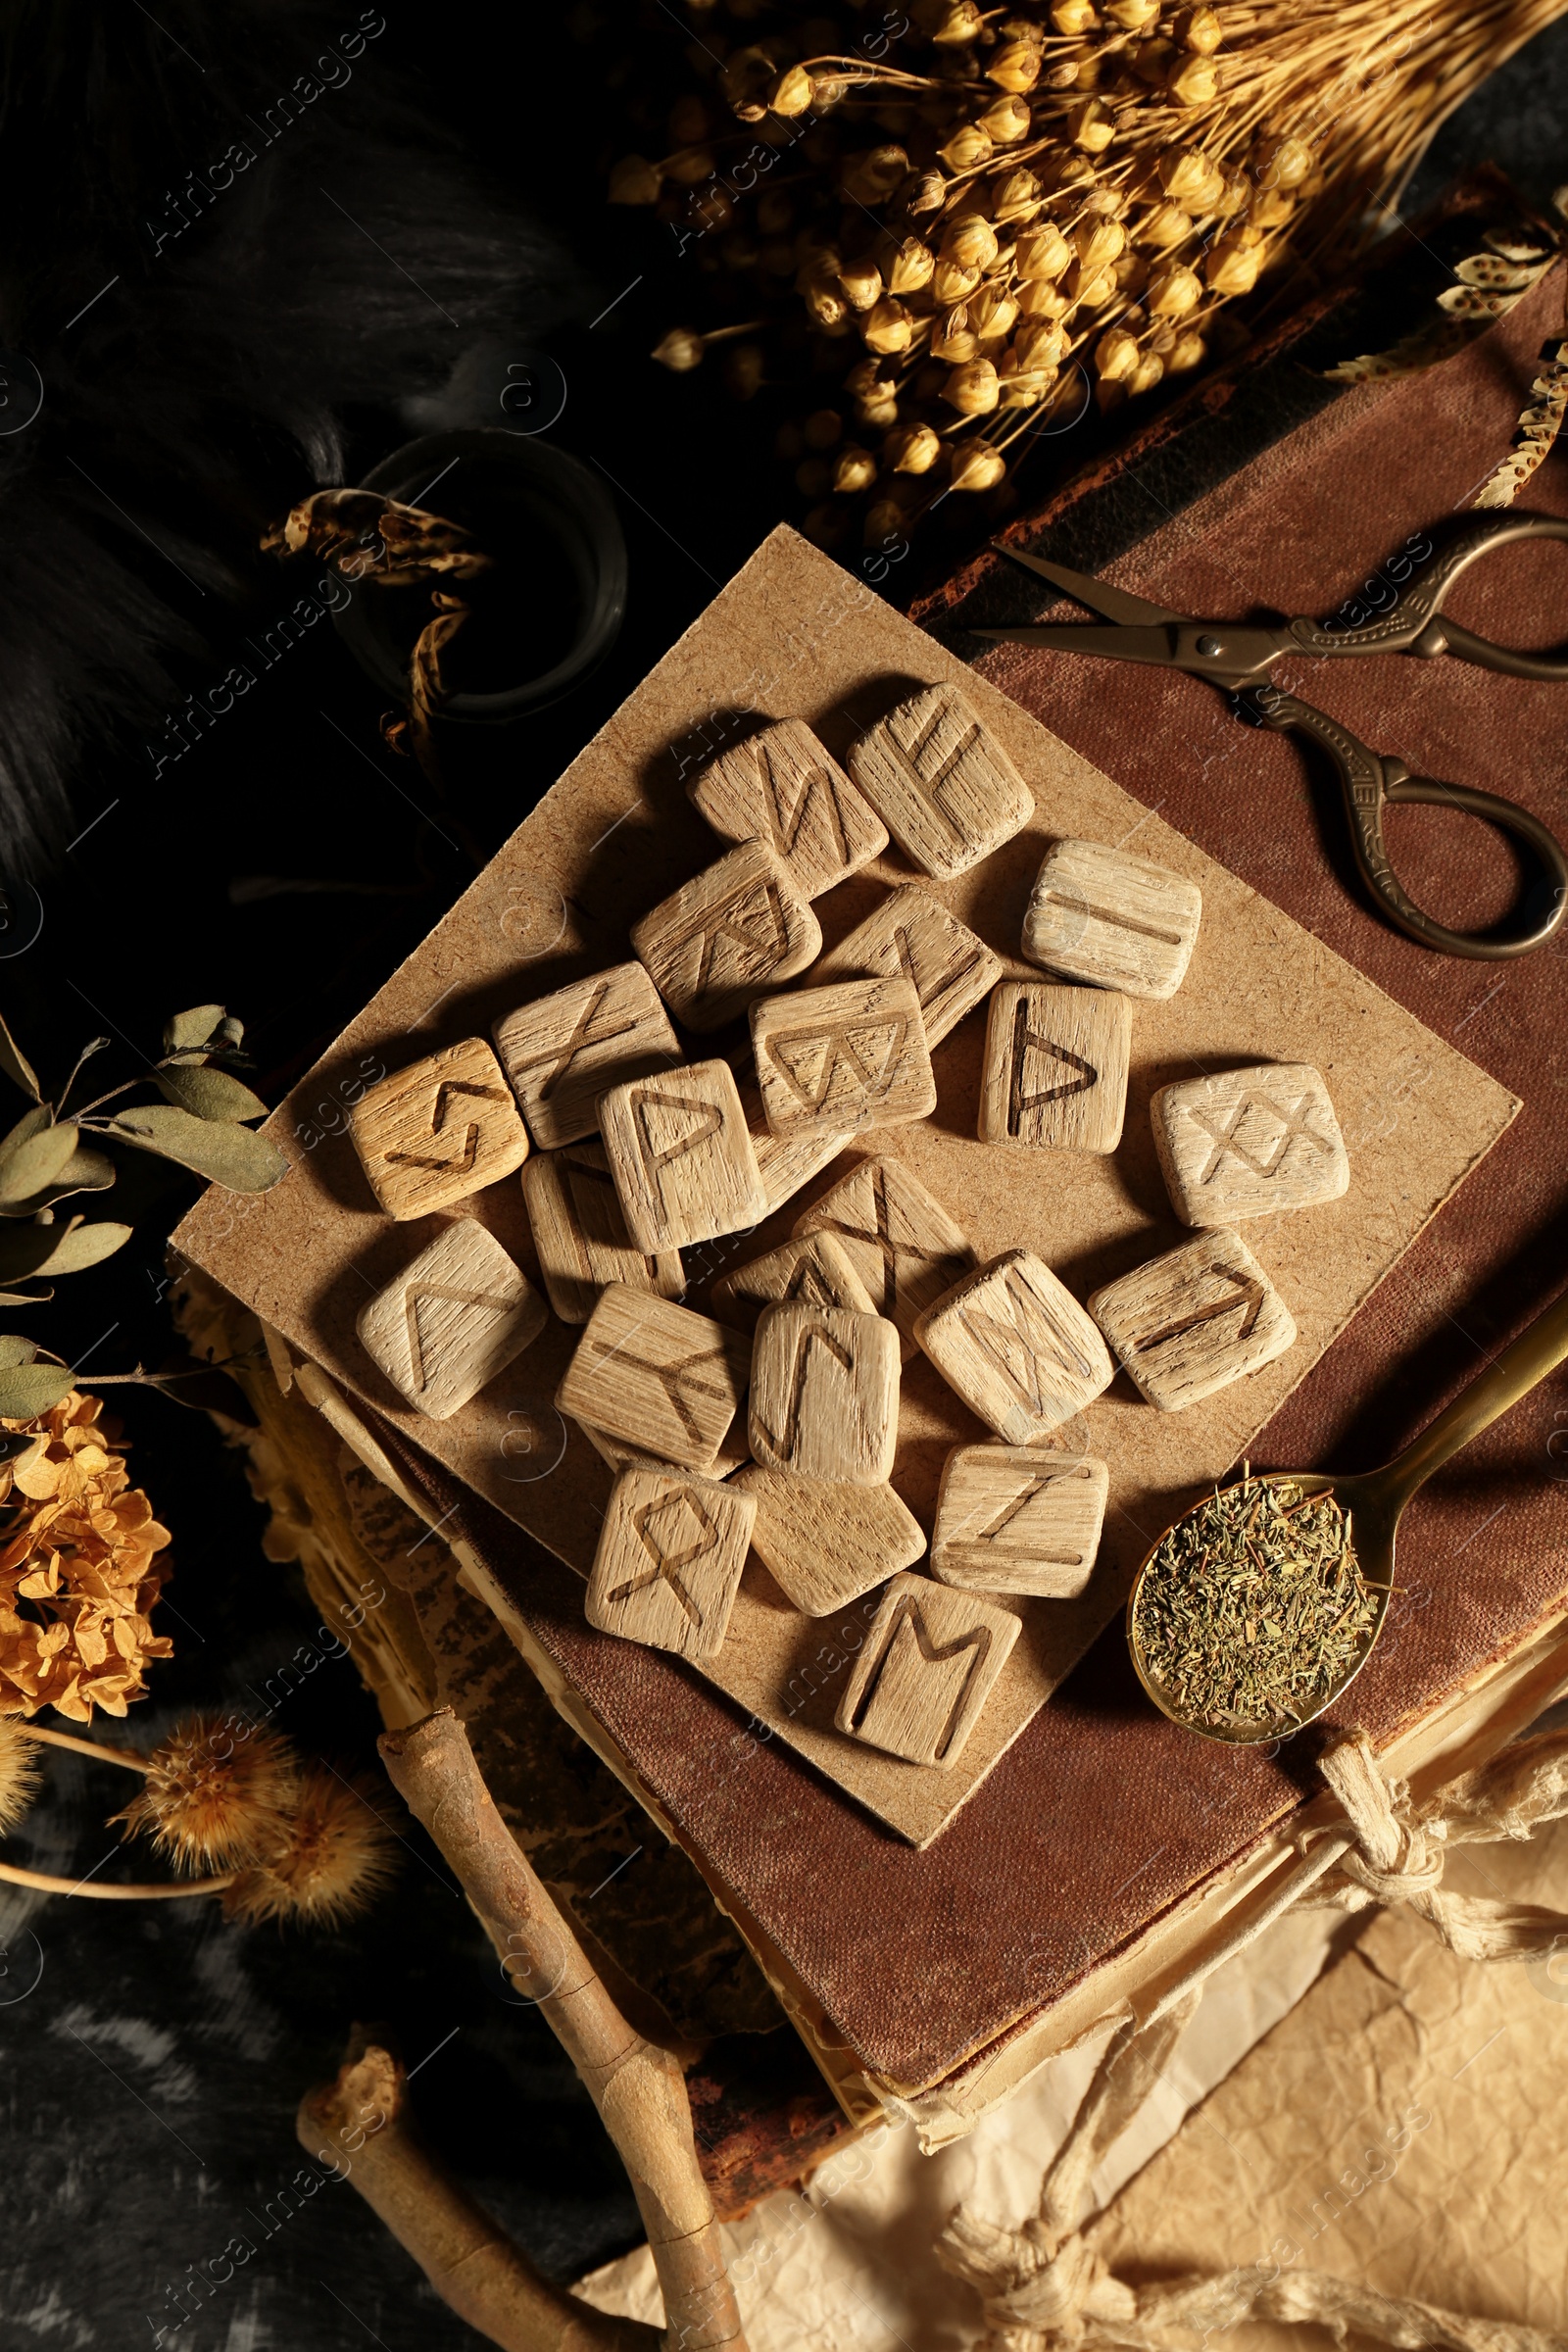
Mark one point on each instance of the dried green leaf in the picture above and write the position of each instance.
(14, 1349)
(227, 1155)
(16, 1065)
(85, 1171)
(30, 1389)
(31, 1122)
(57, 1248)
(36, 1162)
(188, 1032)
(210, 1094)
(23, 1299)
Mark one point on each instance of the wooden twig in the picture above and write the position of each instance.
(360, 2123)
(637, 2087)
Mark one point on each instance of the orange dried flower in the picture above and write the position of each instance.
(78, 1576)
(217, 1793)
(333, 1854)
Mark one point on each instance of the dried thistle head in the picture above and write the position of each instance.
(333, 1853)
(20, 1772)
(215, 1795)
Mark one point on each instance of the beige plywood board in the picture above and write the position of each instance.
(792, 634)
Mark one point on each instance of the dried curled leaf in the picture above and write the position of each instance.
(224, 1153)
(210, 1094)
(85, 1171)
(367, 536)
(16, 1065)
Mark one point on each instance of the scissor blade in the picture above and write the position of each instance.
(1152, 645)
(1114, 603)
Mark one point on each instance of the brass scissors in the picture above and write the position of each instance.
(1238, 657)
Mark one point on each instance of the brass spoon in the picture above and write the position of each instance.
(1375, 1498)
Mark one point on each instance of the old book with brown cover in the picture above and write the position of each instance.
(1100, 1840)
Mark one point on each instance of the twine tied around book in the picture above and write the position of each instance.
(1045, 2288)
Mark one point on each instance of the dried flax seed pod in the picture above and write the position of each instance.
(1090, 127)
(1042, 253)
(1189, 351)
(1134, 16)
(1042, 298)
(1097, 243)
(1074, 17)
(861, 282)
(1018, 197)
(954, 340)
(1174, 293)
(1270, 208)
(1147, 374)
(888, 326)
(1021, 386)
(961, 23)
(871, 177)
(854, 470)
(1166, 226)
(951, 281)
(1014, 66)
(1231, 268)
(1195, 81)
(967, 150)
(1154, 60)
(1007, 121)
(1041, 343)
(911, 449)
(972, 389)
(906, 263)
(1280, 162)
(992, 313)
(791, 93)
(1093, 287)
(970, 243)
(680, 350)
(1116, 355)
(976, 465)
(1200, 30)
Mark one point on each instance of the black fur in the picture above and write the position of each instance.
(346, 266)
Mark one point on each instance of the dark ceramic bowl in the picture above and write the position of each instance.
(555, 606)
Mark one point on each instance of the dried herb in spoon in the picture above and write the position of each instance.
(1252, 1607)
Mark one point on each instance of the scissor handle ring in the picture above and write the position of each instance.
(1370, 783)
(1415, 624)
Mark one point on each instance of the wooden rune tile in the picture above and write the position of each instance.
(925, 1671)
(1015, 1344)
(1191, 1322)
(580, 1234)
(439, 1131)
(681, 1158)
(735, 1449)
(737, 929)
(944, 787)
(1112, 917)
(1054, 1075)
(814, 1271)
(831, 1061)
(901, 1241)
(561, 1052)
(1248, 1141)
(912, 933)
(824, 1544)
(1018, 1519)
(670, 1560)
(825, 1394)
(455, 1316)
(657, 1376)
(781, 787)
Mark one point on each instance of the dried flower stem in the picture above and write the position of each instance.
(360, 2123)
(43, 1883)
(637, 2087)
(94, 1749)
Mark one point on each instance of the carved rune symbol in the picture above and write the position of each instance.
(596, 1213)
(1026, 1040)
(786, 821)
(673, 1378)
(1029, 1351)
(810, 1060)
(667, 1566)
(561, 1056)
(413, 1299)
(902, 1261)
(751, 920)
(657, 1158)
(906, 1628)
(1224, 1133)
(928, 783)
(1249, 1293)
(984, 1539)
(928, 985)
(784, 1442)
(445, 1095)
(1111, 915)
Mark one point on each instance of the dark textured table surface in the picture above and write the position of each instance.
(155, 2054)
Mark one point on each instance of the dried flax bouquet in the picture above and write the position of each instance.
(988, 217)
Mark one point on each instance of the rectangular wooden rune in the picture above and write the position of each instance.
(795, 635)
